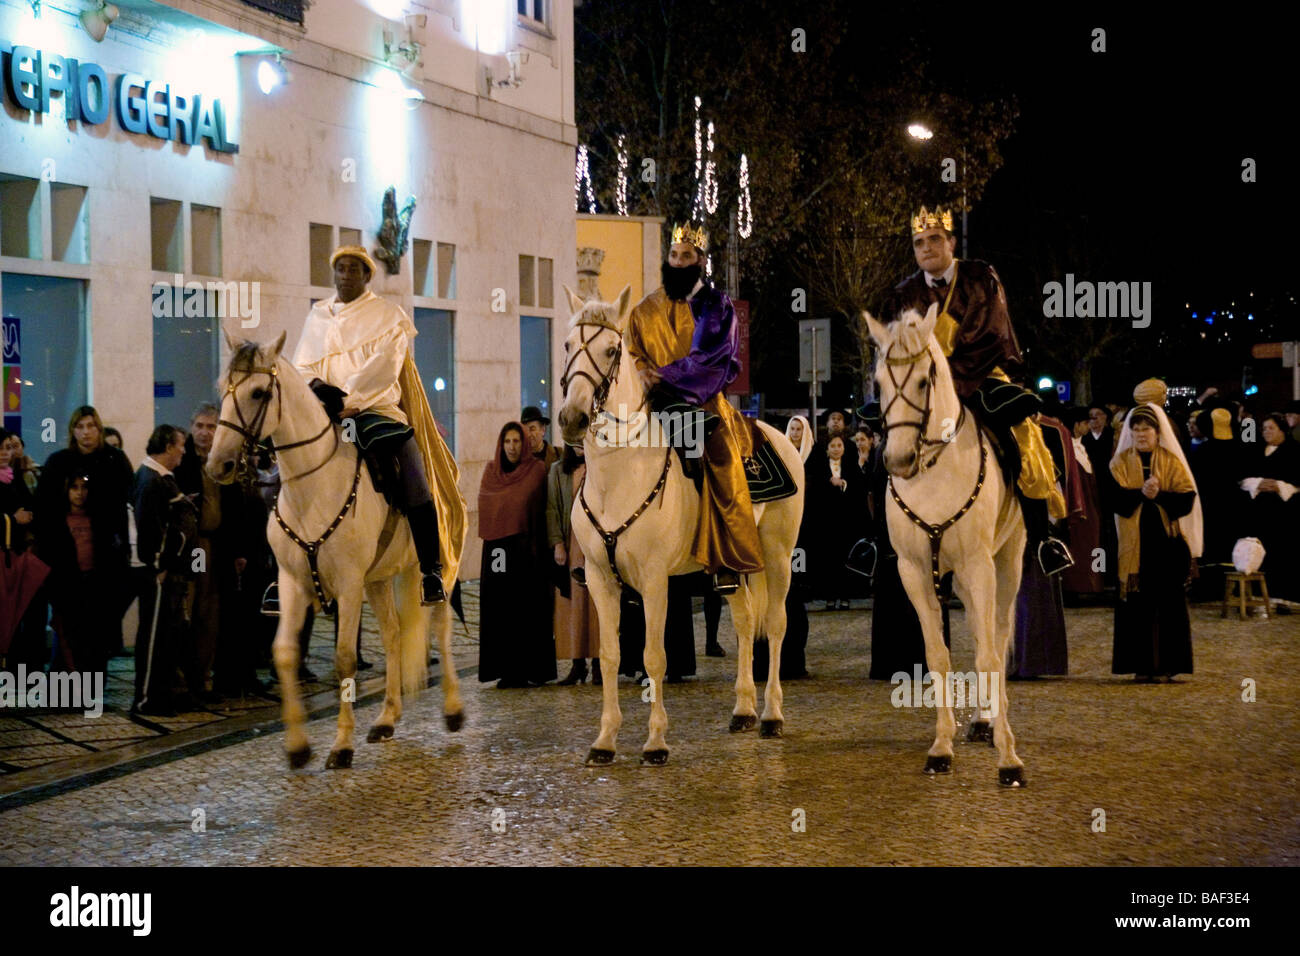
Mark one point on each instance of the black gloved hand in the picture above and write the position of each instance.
(329, 396)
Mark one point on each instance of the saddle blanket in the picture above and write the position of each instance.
(765, 472)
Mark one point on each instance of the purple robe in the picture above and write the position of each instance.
(714, 361)
(1039, 648)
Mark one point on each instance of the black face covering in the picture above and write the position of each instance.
(680, 280)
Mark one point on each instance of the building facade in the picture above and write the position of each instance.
(194, 168)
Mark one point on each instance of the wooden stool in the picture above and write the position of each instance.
(1241, 587)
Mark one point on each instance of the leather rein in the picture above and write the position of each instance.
(250, 430)
(599, 396)
(934, 532)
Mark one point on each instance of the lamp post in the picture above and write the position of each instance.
(923, 133)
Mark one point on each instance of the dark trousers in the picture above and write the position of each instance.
(160, 629)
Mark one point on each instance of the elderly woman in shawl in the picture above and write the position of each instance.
(1272, 512)
(1158, 521)
(515, 643)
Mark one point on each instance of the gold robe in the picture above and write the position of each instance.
(659, 332)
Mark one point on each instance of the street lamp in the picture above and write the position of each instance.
(923, 133)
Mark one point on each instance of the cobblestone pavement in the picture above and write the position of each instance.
(1186, 774)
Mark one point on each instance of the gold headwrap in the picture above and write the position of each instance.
(356, 252)
(1222, 419)
(1152, 390)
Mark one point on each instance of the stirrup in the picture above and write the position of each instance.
(1054, 556)
(432, 591)
(271, 600)
(862, 558)
(726, 581)
(579, 575)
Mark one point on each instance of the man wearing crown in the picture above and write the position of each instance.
(974, 330)
(683, 339)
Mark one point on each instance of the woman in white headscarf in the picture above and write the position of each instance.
(1158, 521)
(800, 435)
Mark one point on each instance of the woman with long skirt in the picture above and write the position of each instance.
(516, 647)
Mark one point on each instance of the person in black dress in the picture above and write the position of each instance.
(1273, 508)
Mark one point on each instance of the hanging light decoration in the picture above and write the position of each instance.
(581, 179)
(699, 165)
(744, 211)
(710, 177)
(620, 197)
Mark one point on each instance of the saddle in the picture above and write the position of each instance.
(998, 407)
(377, 438)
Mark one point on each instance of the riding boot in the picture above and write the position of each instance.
(424, 529)
(1053, 555)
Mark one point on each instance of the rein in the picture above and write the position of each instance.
(598, 399)
(922, 425)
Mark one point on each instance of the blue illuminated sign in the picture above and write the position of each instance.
(141, 105)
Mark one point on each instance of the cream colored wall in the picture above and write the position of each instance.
(632, 251)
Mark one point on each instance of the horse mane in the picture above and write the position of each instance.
(908, 332)
(244, 357)
(596, 312)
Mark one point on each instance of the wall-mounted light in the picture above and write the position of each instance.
(513, 78)
(95, 21)
(401, 56)
(271, 74)
(36, 8)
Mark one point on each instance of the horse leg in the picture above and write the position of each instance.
(293, 611)
(345, 666)
(380, 596)
(1008, 564)
(605, 593)
(744, 716)
(1008, 570)
(655, 605)
(453, 711)
(920, 589)
(777, 574)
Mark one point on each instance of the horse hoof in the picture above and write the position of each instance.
(298, 758)
(979, 730)
(379, 732)
(937, 765)
(741, 722)
(772, 728)
(1013, 777)
(339, 760)
(655, 758)
(596, 756)
(455, 721)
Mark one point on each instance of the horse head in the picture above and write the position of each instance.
(250, 404)
(909, 366)
(593, 351)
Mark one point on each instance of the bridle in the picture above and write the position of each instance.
(922, 425)
(934, 532)
(251, 429)
(599, 396)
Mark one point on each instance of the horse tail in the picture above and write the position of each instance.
(413, 636)
(758, 603)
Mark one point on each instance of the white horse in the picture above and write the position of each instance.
(636, 491)
(949, 510)
(327, 501)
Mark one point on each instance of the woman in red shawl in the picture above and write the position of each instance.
(516, 647)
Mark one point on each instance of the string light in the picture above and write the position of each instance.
(699, 163)
(581, 178)
(711, 178)
(745, 211)
(620, 197)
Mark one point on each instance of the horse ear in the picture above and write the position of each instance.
(576, 301)
(230, 341)
(926, 325)
(879, 331)
(624, 305)
(274, 352)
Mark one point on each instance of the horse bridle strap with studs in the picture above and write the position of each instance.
(251, 430)
(935, 531)
(922, 425)
(611, 537)
(312, 548)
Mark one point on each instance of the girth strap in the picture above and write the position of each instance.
(611, 537)
(935, 531)
(312, 548)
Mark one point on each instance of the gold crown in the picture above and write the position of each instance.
(925, 219)
(685, 232)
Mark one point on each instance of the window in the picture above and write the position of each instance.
(70, 223)
(435, 357)
(46, 356)
(320, 244)
(535, 362)
(349, 237)
(166, 235)
(423, 280)
(186, 355)
(527, 281)
(532, 10)
(446, 270)
(205, 239)
(546, 283)
(20, 217)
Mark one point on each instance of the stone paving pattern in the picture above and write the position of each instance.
(1188, 774)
